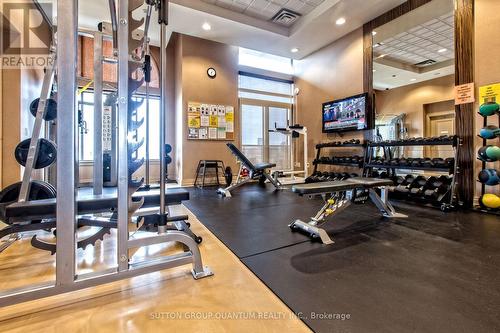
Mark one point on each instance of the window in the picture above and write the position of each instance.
(265, 61)
(265, 103)
(86, 126)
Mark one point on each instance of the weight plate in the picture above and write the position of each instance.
(39, 190)
(47, 153)
(50, 109)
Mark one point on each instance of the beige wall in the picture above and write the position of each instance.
(412, 99)
(333, 72)
(194, 56)
(487, 65)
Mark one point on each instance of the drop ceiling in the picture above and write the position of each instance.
(416, 47)
(267, 9)
(315, 29)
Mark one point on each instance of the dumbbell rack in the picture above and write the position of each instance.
(319, 147)
(483, 166)
(386, 145)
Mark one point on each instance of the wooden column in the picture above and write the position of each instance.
(464, 73)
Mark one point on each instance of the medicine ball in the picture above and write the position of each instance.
(489, 177)
(490, 201)
(489, 132)
(489, 153)
(488, 109)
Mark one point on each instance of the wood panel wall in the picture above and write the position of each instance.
(464, 73)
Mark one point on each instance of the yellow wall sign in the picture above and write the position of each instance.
(490, 93)
(214, 121)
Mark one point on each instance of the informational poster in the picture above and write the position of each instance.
(210, 121)
(489, 93)
(464, 94)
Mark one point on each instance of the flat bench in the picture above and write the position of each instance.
(338, 195)
(258, 171)
(89, 204)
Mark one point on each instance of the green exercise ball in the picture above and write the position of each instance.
(489, 153)
(490, 201)
(488, 109)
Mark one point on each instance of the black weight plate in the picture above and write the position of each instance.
(39, 190)
(50, 109)
(47, 153)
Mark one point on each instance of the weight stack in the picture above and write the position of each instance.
(135, 121)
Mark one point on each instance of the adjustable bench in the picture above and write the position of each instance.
(338, 195)
(258, 171)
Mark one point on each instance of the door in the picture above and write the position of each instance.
(260, 145)
(439, 125)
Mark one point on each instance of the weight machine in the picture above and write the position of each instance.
(290, 176)
(67, 212)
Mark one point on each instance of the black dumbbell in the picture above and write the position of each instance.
(427, 162)
(354, 175)
(418, 185)
(450, 162)
(383, 175)
(416, 162)
(374, 174)
(394, 161)
(439, 162)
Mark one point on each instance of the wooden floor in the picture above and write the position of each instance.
(231, 300)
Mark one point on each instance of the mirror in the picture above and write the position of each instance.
(413, 74)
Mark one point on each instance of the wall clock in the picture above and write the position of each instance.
(212, 73)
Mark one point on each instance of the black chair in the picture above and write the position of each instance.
(258, 171)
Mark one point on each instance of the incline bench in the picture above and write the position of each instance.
(338, 195)
(259, 171)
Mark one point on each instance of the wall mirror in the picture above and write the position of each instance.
(414, 75)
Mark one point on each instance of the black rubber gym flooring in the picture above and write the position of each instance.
(431, 272)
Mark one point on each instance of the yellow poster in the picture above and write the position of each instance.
(194, 120)
(230, 117)
(214, 121)
(489, 93)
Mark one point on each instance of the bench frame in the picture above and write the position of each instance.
(336, 202)
(260, 174)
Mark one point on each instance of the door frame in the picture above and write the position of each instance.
(265, 107)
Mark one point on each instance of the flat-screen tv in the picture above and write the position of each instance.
(348, 114)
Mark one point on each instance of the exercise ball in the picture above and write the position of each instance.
(489, 153)
(488, 109)
(490, 201)
(489, 132)
(489, 177)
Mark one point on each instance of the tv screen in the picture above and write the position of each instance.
(348, 114)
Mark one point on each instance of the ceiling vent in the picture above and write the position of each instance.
(285, 17)
(425, 63)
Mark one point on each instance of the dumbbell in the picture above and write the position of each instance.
(489, 177)
(489, 132)
(417, 186)
(439, 162)
(324, 159)
(450, 162)
(378, 161)
(489, 153)
(394, 161)
(383, 175)
(490, 201)
(50, 112)
(354, 175)
(344, 175)
(488, 109)
(404, 187)
(332, 176)
(427, 162)
(416, 162)
(445, 179)
(434, 188)
(374, 174)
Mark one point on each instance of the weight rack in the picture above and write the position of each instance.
(484, 164)
(388, 155)
(321, 146)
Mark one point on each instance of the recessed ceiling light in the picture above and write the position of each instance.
(437, 74)
(374, 70)
(442, 50)
(413, 80)
(294, 50)
(381, 56)
(394, 75)
(206, 26)
(340, 21)
(374, 33)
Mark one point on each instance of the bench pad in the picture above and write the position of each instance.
(340, 185)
